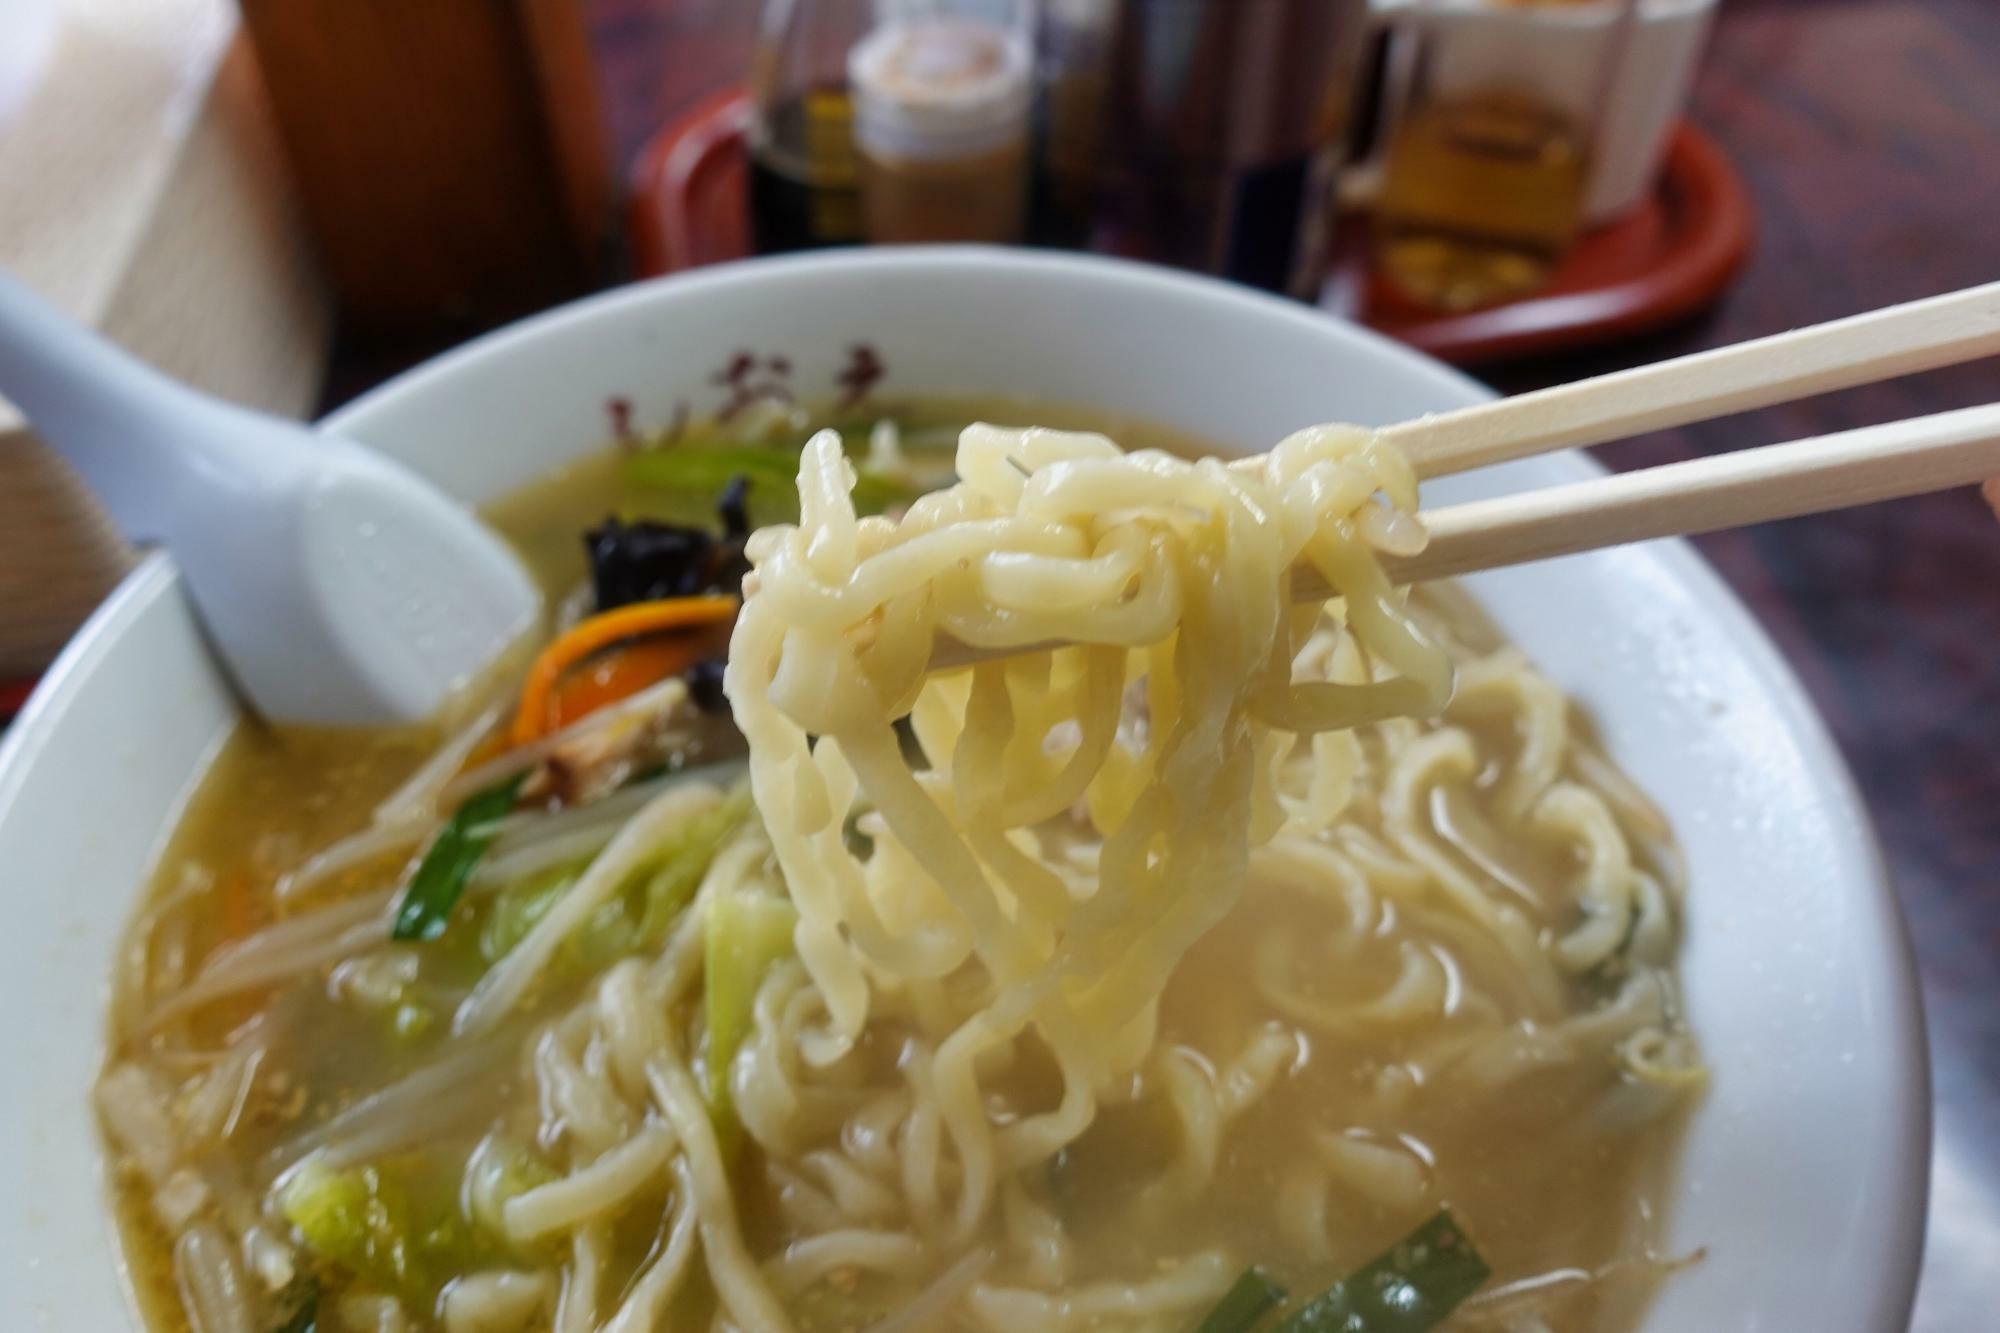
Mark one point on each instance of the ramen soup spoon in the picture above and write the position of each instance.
(337, 586)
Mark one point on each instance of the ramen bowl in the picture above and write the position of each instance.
(1802, 1179)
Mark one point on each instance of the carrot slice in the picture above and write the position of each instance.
(542, 709)
(617, 673)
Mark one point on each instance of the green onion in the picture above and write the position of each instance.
(1253, 1296)
(441, 875)
(772, 473)
(874, 492)
(1411, 1288)
(710, 466)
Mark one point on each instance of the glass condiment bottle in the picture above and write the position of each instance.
(941, 101)
(1488, 158)
(803, 190)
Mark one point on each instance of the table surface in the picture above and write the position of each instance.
(1866, 133)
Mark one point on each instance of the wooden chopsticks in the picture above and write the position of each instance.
(1840, 354)
(1806, 476)
(1890, 461)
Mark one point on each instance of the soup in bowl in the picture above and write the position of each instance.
(550, 1016)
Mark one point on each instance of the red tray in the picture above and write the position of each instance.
(1665, 261)
(690, 187)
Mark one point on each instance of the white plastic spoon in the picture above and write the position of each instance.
(337, 586)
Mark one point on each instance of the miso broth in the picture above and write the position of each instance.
(1337, 1060)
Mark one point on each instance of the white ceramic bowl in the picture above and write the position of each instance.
(1805, 1170)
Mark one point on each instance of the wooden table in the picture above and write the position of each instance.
(1868, 132)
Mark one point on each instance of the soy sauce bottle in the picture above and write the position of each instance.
(803, 171)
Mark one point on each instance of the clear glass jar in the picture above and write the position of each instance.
(941, 99)
(1492, 125)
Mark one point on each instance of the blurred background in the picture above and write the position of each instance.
(288, 201)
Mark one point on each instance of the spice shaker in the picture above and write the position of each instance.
(941, 106)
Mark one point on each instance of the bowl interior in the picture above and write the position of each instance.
(1797, 976)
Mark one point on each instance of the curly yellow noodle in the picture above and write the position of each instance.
(1219, 892)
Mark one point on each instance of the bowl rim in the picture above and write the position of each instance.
(943, 260)
(1886, 940)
